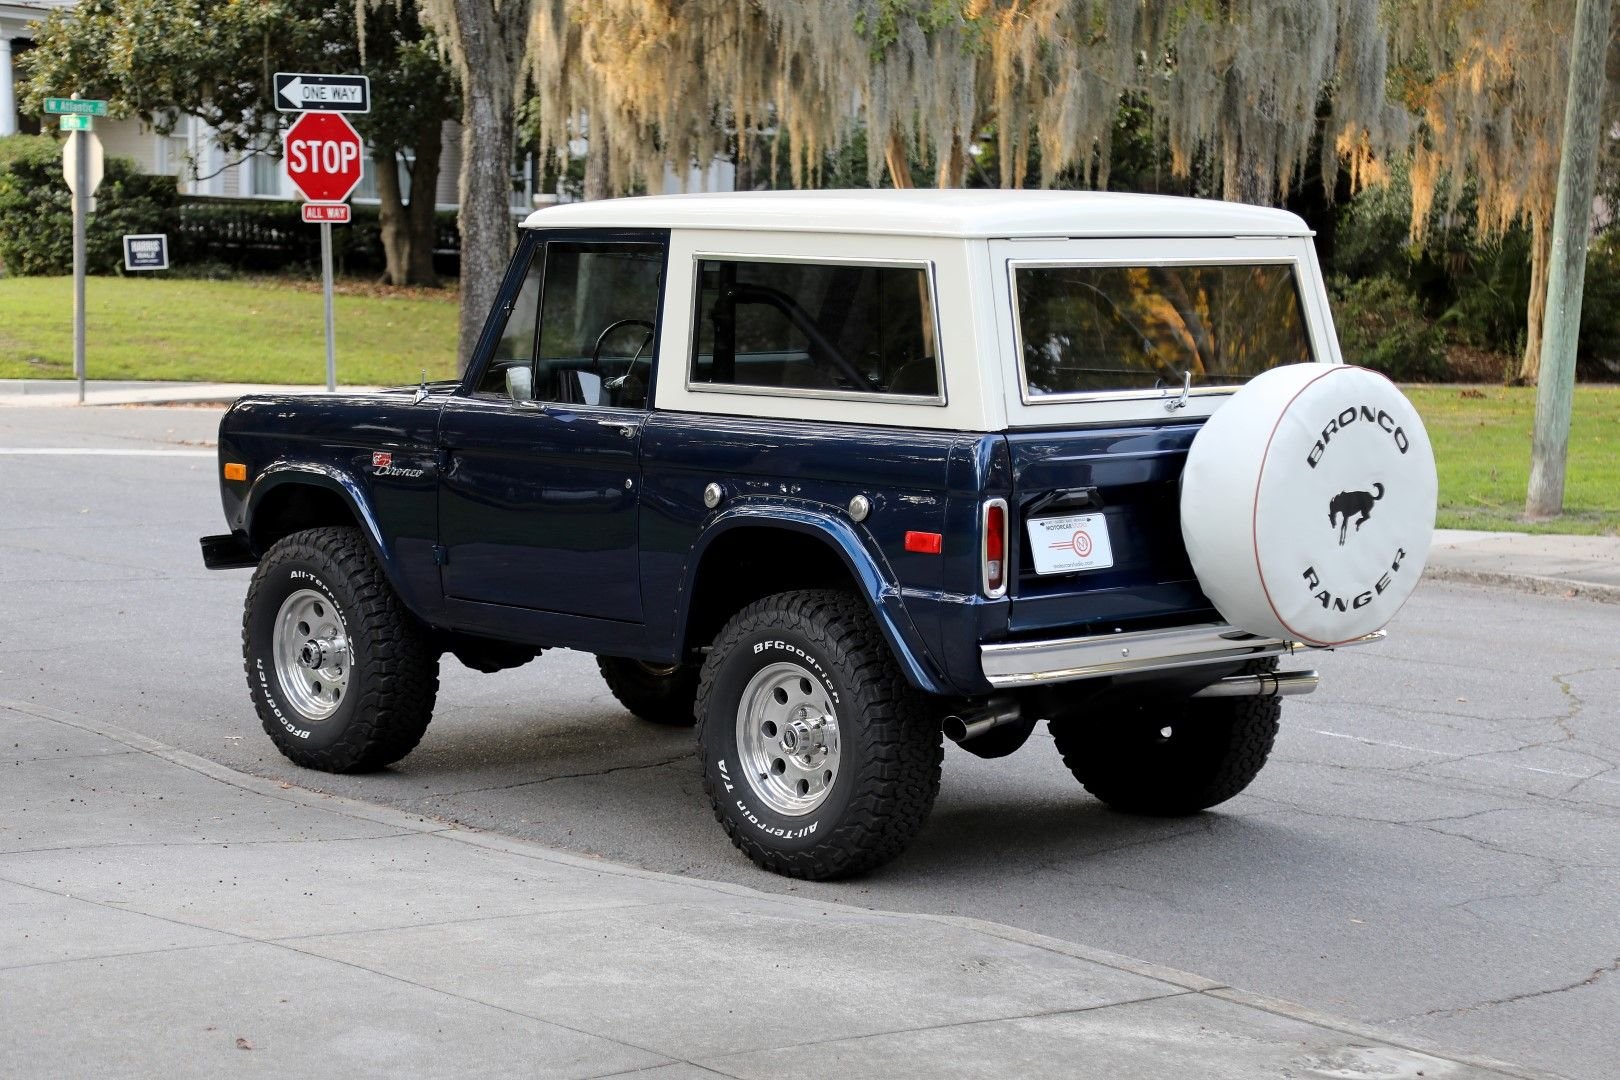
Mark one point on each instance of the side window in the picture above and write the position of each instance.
(818, 327)
(510, 370)
(583, 327)
(598, 323)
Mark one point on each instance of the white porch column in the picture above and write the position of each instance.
(8, 92)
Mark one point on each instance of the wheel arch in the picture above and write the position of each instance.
(290, 498)
(750, 552)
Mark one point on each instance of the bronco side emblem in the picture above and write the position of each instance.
(1347, 503)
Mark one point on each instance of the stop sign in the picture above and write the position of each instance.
(323, 153)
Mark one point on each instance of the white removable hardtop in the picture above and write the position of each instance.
(970, 244)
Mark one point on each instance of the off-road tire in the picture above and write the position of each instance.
(393, 673)
(1216, 747)
(890, 748)
(658, 695)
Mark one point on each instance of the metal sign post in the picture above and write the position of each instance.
(81, 168)
(324, 159)
(326, 287)
(81, 212)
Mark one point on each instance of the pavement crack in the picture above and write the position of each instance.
(569, 776)
(1513, 999)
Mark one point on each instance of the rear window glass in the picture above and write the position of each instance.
(1087, 329)
(796, 327)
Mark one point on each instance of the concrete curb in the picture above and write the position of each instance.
(1531, 583)
(1183, 982)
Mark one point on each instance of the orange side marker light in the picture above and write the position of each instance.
(235, 470)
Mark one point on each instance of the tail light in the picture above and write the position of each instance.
(994, 563)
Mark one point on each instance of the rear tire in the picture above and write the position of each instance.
(819, 759)
(657, 694)
(340, 673)
(1170, 759)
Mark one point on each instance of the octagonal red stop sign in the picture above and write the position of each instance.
(324, 156)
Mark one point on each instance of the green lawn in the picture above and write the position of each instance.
(1482, 446)
(270, 331)
(223, 331)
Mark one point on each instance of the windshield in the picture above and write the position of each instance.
(1085, 329)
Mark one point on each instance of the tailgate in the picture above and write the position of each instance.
(1104, 506)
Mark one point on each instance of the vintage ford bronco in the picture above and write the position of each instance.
(834, 474)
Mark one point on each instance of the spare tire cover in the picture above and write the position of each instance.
(1307, 503)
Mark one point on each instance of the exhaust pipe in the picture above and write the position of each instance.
(997, 712)
(1269, 684)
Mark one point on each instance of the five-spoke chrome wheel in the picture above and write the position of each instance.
(787, 739)
(311, 654)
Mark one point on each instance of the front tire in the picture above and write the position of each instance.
(340, 673)
(1169, 758)
(817, 756)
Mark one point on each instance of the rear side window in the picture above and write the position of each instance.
(816, 328)
(1091, 329)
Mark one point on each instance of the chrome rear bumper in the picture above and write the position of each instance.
(1029, 663)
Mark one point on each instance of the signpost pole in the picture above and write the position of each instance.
(326, 285)
(81, 200)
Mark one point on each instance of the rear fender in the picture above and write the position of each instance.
(867, 574)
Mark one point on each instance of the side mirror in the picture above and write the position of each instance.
(519, 384)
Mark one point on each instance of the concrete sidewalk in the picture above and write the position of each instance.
(161, 915)
(1587, 566)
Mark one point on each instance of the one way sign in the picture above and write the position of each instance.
(302, 92)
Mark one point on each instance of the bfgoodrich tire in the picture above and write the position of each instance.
(1170, 759)
(656, 694)
(817, 756)
(339, 672)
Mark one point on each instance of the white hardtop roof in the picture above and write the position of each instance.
(967, 213)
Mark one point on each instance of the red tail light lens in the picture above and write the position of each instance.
(995, 548)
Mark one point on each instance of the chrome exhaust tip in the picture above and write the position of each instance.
(1267, 684)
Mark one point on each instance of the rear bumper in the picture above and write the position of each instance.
(1031, 663)
(227, 552)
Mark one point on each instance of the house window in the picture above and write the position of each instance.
(266, 174)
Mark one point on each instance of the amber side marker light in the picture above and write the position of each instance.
(235, 471)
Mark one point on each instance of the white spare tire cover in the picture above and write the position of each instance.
(1307, 503)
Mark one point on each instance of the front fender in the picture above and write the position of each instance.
(870, 573)
(326, 477)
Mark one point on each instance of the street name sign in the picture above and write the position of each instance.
(326, 213)
(146, 251)
(324, 156)
(301, 92)
(59, 106)
(75, 122)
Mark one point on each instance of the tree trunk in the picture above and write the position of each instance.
(899, 161)
(490, 38)
(1541, 239)
(596, 184)
(952, 164)
(1566, 263)
(424, 222)
(393, 220)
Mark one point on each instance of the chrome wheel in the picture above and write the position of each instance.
(787, 738)
(311, 653)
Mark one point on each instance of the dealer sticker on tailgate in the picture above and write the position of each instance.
(1062, 545)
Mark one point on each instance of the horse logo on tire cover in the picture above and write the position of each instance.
(1346, 504)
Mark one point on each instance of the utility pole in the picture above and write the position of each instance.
(1572, 226)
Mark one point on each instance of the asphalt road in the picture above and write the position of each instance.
(1435, 847)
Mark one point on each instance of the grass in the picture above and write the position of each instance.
(225, 331)
(270, 331)
(1481, 439)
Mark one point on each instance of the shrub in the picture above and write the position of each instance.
(1598, 355)
(1382, 326)
(36, 210)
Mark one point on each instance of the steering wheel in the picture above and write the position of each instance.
(601, 339)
